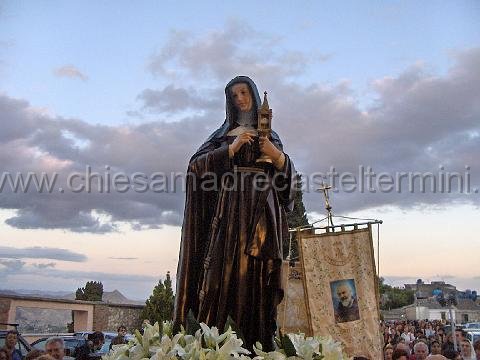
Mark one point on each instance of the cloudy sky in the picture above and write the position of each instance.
(122, 88)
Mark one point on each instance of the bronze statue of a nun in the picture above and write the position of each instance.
(233, 229)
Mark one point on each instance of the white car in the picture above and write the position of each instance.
(473, 336)
(471, 326)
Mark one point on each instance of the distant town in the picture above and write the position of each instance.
(421, 301)
(433, 301)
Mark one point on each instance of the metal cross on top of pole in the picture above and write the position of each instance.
(324, 188)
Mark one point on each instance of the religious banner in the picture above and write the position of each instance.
(341, 289)
(292, 311)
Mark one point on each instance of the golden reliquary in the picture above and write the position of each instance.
(264, 126)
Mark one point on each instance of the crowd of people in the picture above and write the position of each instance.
(55, 347)
(420, 340)
(404, 340)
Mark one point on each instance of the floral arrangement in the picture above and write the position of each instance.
(159, 343)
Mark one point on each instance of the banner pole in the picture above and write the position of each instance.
(378, 251)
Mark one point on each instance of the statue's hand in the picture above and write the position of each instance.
(267, 148)
(246, 137)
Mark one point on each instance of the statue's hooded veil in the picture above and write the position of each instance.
(231, 114)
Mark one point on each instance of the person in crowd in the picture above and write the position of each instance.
(55, 347)
(420, 350)
(399, 354)
(429, 330)
(450, 353)
(422, 338)
(476, 347)
(448, 345)
(34, 354)
(407, 335)
(459, 335)
(387, 335)
(440, 334)
(3, 354)
(388, 352)
(93, 344)
(436, 357)
(10, 345)
(435, 347)
(403, 346)
(120, 338)
(467, 350)
(397, 336)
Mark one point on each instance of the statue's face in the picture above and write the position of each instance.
(242, 99)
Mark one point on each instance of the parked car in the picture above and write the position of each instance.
(70, 343)
(108, 340)
(471, 326)
(22, 344)
(473, 335)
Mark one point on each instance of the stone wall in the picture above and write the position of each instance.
(88, 315)
(108, 317)
(117, 315)
(4, 309)
(100, 317)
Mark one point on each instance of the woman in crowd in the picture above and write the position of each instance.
(388, 352)
(467, 351)
(435, 347)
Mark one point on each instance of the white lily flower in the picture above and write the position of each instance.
(262, 355)
(211, 336)
(167, 328)
(306, 348)
(118, 352)
(151, 345)
(233, 347)
(179, 350)
(331, 349)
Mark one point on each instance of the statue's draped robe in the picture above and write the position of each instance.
(231, 246)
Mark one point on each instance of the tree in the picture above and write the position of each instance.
(93, 291)
(393, 297)
(159, 307)
(296, 218)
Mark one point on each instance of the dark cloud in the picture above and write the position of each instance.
(45, 265)
(37, 252)
(36, 143)
(11, 266)
(171, 99)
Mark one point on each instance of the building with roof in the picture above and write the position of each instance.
(424, 291)
(465, 311)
